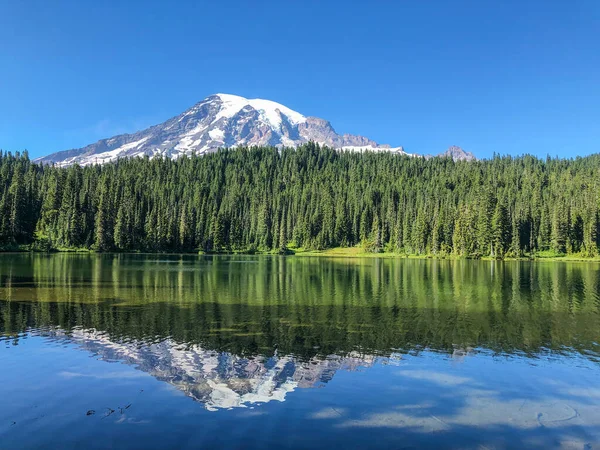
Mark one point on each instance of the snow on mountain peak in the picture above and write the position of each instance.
(270, 112)
(218, 121)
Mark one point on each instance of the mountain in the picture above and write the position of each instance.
(221, 120)
(458, 154)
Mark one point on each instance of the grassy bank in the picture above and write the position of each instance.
(336, 252)
(359, 252)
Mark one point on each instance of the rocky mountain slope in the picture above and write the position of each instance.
(458, 154)
(223, 120)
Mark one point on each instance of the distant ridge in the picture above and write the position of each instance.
(458, 154)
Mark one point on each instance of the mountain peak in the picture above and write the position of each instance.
(225, 120)
(458, 154)
(269, 111)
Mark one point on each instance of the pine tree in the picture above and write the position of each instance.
(283, 235)
(463, 238)
(500, 230)
(559, 229)
(18, 212)
(122, 232)
(484, 223)
(104, 236)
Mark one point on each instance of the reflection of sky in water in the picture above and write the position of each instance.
(216, 379)
(209, 352)
(471, 399)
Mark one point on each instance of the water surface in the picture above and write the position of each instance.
(169, 351)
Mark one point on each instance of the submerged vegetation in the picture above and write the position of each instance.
(265, 200)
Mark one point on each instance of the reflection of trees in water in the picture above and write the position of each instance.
(252, 306)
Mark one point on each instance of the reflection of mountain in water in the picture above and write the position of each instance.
(219, 379)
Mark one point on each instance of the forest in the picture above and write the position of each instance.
(263, 199)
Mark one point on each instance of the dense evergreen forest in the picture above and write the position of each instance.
(262, 199)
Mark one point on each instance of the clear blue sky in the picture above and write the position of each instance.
(491, 76)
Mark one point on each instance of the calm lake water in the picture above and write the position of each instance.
(155, 351)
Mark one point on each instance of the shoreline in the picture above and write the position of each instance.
(337, 252)
(353, 252)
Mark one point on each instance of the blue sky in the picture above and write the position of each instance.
(490, 76)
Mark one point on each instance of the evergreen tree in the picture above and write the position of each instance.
(559, 229)
(18, 212)
(500, 230)
(104, 236)
(484, 224)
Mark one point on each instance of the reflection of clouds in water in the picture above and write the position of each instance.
(436, 377)
(426, 402)
(392, 419)
(484, 401)
(583, 392)
(131, 421)
(103, 375)
(329, 413)
(251, 412)
(474, 411)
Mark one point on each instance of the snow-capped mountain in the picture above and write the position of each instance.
(221, 120)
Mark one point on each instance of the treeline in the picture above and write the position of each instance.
(262, 199)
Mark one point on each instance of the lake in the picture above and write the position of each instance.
(172, 351)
